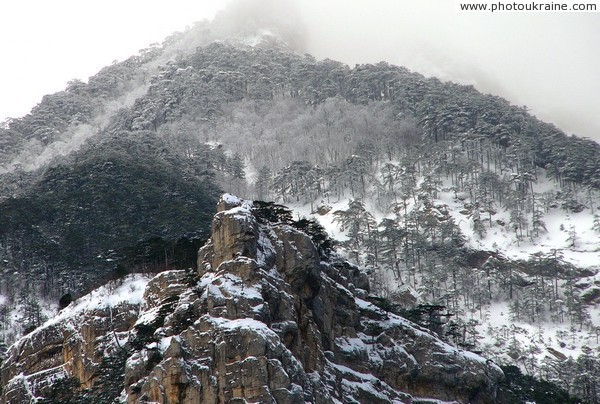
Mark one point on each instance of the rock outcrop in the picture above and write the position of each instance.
(74, 344)
(264, 320)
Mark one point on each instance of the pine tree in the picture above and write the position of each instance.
(537, 224)
(572, 237)
(477, 222)
(236, 167)
(596, 225)
(33, 315)
(587, 379)
(300, 180)
(4, 319)
(359, 225)
(390, 243)
(263, 183)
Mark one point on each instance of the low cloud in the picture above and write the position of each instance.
(280, 17)
(547, 61)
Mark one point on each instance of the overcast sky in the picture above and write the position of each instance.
(547, 61)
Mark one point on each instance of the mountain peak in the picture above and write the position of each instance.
(256, 22)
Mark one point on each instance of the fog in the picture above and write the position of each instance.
(547, 61)
(44, 44)
(35, 155)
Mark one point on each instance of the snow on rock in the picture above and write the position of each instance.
(265, 319)
(233, 203)
(265, 301)
(231, 199)
(74, 342)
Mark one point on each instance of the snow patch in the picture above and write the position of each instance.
(129, 290)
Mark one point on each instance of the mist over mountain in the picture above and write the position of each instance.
(411, 200)
(531, 59)
(247, 18)
(546, 61)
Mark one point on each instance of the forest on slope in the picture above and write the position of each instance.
(121, 174)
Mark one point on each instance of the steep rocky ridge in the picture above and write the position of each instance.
(263, 320)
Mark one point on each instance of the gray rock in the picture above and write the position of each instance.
(263, 320)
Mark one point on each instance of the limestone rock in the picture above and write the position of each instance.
(234, 232)
(73, 344)
(263, 320)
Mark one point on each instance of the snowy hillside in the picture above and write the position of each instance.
(498, 328)
(472, 217)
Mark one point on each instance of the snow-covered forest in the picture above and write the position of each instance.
(472, 217)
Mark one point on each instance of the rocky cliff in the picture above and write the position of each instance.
(264, 320)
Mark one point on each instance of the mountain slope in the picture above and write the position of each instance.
(58, 235)
(263, 320)
(451, 199)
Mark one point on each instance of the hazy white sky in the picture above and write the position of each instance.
(44, 44)
(547, 61)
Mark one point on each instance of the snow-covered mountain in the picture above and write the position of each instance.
(472, 218)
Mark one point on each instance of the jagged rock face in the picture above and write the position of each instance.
(274, 324)
(71, 345)
(265, 320)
